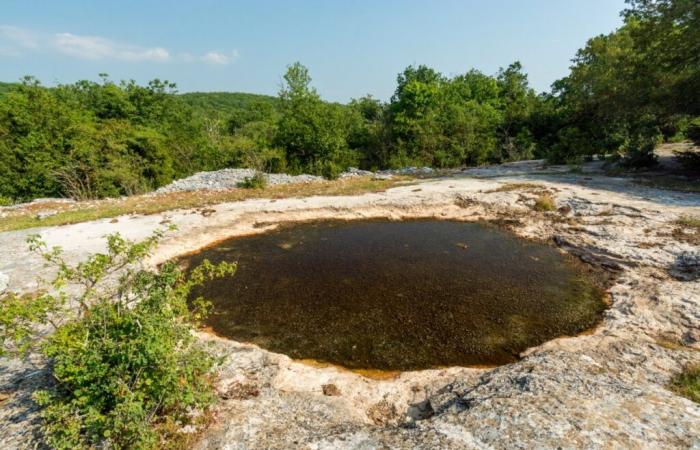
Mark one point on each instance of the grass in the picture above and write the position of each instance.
(545, 202)
(687, 383)
(257, 181)
(153, 204)
(689, 222)
(514, 187)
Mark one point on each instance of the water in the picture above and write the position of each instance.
(398, 295)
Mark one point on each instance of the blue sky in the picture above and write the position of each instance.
(352, 48)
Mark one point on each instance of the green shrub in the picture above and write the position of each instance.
(687, 383)
(689, 159)
(128, 370)
(331, 171)
(692, 132)
(639, 151)
(257, 181)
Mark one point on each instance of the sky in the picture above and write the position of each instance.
(351, 47)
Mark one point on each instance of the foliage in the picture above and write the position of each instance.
(630, 88)
(313, 132)
(223, 105)
(128, 371)
(257, 181)
(689, 159)
(626, 92)
(687, 383)
(693, 130)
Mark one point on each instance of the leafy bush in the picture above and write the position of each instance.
(128, 370)
(257, 181)
(689, 159)
(330, 171)
(639, 151)
(692, 132)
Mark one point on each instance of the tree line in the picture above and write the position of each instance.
(626, 92)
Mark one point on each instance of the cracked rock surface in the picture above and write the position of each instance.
(606, 388)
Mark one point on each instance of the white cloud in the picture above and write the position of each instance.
(95, 47)
(15, 40)
(220, 59)
(19, 36)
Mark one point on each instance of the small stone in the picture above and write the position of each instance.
(421, 410)
(330, 390)
(44, 214)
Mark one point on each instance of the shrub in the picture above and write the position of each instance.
(692, 132)
(330, 171)
(689, 159)
(544, 203)
(257, 181)
(687, 383)
(639, 151)
(128, 370)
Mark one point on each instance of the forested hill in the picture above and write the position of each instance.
(223, 104)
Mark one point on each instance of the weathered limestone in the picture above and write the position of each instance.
(604, 389)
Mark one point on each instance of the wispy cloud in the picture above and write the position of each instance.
(19, 36)
(95, 47)
(15, 41)
(219, 58)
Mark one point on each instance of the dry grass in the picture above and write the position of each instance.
(545, 202)
(689, 222)
(153, 204)
(514, 187)
(680, 232)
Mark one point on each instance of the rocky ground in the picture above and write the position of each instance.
(607, 388)
(232, 178)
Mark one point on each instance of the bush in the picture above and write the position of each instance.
(127, 368)
(330, 171)
(544, 203)
(257, 181)
(639, 151)
(687, 383)
(692, 132)
(689, 159)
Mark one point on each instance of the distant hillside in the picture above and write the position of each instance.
(222, 104)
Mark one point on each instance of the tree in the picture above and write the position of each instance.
(312, 132)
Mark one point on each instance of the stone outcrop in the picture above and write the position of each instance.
(607, 388)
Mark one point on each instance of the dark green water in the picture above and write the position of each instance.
(398, 295)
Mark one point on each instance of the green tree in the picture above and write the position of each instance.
(313, 133)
